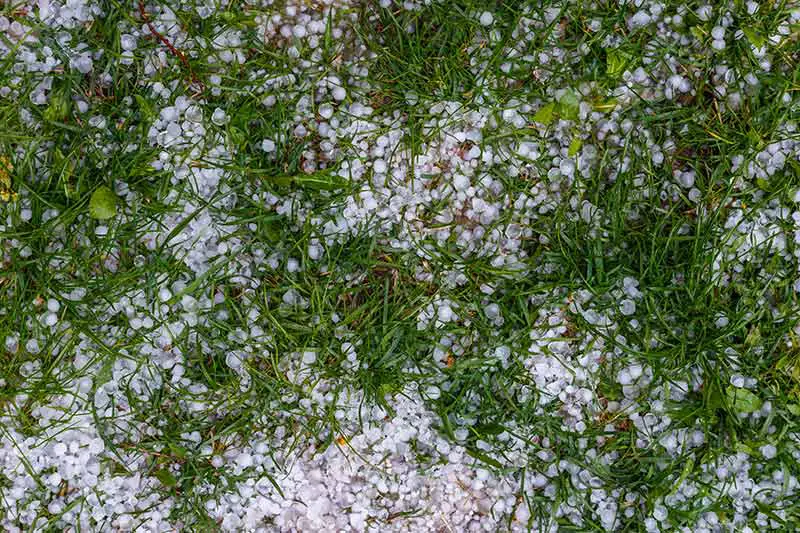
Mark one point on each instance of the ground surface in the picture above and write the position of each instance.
(441, 265)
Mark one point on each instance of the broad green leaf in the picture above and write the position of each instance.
(574, 146)
(59, 106)
(744, 448)
(490, 429)
(568, 106)
(545, 114)
(755, 38)
(103, 203)
(698, 33)
(742, 400)
(178, 451)
(165, 477)
(616, 62)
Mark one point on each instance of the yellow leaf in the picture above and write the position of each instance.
(6, 191)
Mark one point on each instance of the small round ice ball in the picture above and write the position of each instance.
(325, 111)
(219, 117)
(379, 166)
(268, 145)
(83, 63)
(127, 41)
(51, 319)
(627, 307)
(445, 313)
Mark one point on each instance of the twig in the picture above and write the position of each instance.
(166, 42)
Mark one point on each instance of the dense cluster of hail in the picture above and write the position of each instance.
(94, 453)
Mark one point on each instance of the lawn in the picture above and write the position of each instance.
(414, 266)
